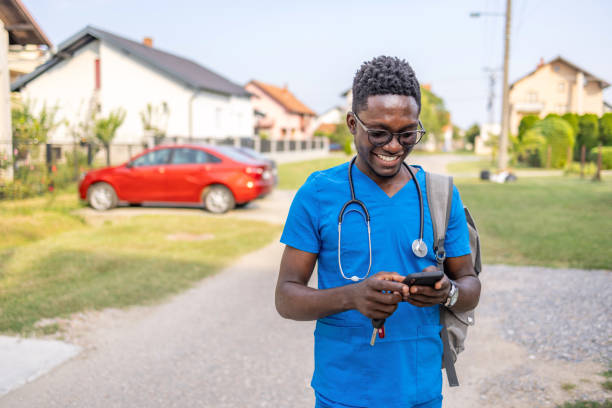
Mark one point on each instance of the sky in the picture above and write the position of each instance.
(315, 47)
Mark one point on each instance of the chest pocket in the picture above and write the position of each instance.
(355, 245)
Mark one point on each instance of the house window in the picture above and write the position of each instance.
(561, 86)
(532, 97)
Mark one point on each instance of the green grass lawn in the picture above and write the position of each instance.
(551, 221)
(292, 175)
(53, 264)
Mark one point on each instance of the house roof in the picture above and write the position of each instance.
(184, 70)
(284, 97)
(326, 128)
(588, 76)
(21, 26)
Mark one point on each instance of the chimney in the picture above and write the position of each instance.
(541, 63)
(148, 41)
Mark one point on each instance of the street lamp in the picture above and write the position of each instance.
(503, 137)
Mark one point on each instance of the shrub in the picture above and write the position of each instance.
(526, 123)
(605, 129)
(572, 120)
(574, 168)
(606, 156)
(588, 133)
(552, 132)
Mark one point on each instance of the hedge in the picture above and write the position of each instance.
(606, 156)
(554, 132)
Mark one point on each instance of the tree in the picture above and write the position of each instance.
(343, 136)
(30, 129)
(551, 133)
(155, 121)
(588, 133)
(605, 129)
(106, 128)
(433, 114)
(471, 133)
(526, 123)
(572, 120)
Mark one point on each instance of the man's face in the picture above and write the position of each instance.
(395, 113)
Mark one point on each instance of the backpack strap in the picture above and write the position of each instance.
(439, 198)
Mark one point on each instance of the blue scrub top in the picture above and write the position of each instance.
(404, 368)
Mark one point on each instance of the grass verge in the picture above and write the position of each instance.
(291, 176)
(587, 404)
(552, 221)
(125, 262)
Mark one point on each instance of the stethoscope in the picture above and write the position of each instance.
(419, 248)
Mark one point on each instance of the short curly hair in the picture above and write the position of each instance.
(384, 75)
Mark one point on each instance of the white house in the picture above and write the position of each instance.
(95, 69)
(17, 29)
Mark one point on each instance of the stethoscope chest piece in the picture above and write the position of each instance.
(419, 247)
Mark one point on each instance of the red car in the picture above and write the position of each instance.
(219, 177)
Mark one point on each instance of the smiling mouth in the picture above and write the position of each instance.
(387, 159)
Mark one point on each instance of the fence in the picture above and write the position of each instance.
(56, 152)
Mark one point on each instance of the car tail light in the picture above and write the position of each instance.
(257, 172)
(254, 170)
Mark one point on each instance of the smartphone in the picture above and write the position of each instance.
(423, 278)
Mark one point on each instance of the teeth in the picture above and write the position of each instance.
(386, 158)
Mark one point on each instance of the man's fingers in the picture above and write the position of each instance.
(390, 276)
(387, 285)
(385, 298)
(425, 291)
(417, 302)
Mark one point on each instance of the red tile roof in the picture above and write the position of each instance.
(327, 128)
(284, 97)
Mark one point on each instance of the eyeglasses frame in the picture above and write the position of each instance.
(420, 132)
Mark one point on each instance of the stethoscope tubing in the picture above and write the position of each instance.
(366, 216)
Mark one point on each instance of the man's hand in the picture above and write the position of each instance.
(423, 296)
(368, 297)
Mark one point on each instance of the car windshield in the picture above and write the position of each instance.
(234, 154)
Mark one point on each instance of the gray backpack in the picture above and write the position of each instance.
(454, 324)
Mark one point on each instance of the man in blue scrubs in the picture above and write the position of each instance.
(403, 369)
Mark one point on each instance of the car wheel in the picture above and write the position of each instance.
(102, 196)
(218, 199)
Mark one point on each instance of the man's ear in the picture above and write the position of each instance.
(351, 123)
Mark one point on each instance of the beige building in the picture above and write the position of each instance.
(556, 87)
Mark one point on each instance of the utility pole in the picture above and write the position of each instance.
(503, 137)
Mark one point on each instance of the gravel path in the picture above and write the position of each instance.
(557, 313)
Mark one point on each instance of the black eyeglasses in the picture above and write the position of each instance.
(380, 137)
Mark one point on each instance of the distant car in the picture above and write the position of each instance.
(218, 177)
(254, 154)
